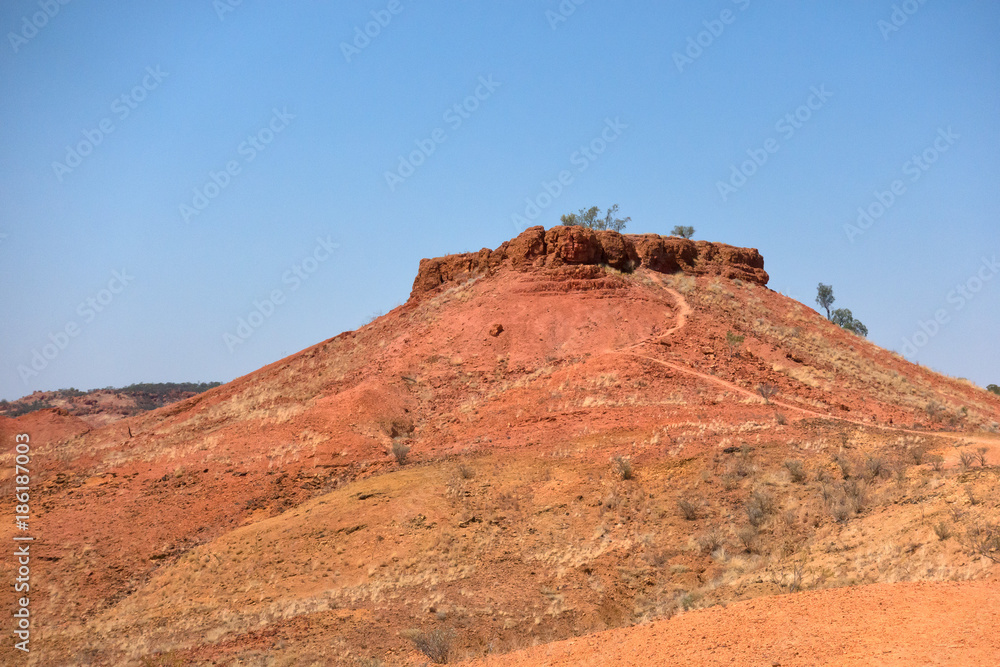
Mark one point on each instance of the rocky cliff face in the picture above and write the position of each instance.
(537, 248)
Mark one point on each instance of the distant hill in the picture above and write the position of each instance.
(98, 407)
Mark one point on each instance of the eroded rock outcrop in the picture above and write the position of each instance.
(536, 248)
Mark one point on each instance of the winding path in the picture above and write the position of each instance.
(684, 311)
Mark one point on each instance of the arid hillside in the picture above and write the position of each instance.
(576, 432)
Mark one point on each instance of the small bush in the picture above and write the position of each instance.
(689, 510)
(917, 454)
(981, 455)
(710, 540)
(682, 231)
(435, 644)
(966, 459)
(733, 342)
(780, 418)
(796, 470)
(875, 466)
(856, 493)
(759, 507)
(624, 466)
(465, 472)
(971, 495)
(942, 530)
(749, 537)
(400, 451)
(844, 464)
(984, 540)
(937, 462)
(767, 391)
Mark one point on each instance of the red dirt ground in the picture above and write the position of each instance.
(882, 624)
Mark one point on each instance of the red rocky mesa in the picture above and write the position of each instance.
(564, 246)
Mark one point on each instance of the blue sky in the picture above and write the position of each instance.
(225, 160)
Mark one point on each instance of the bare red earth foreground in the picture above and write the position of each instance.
(883, 624)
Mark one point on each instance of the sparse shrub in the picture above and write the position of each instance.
(984, 540)
(682, 231)
(840, 511)
(689, 510)
(465, 472)
(767, 391)
(710, 540)
(400, 450)
(856, 492)
(993, 389)
(981, 455)
(937, 462)
(942, 530)
(435, 644)
(796, 470)
(917, 454)
(733, 342)
(966, 459)
(780, 418)
(971, 495)
(623, 465)
(934, 411)
(759, 507)
(749, 537)
(875, 466)
(730, 480)
(686, 600)
(844, 464)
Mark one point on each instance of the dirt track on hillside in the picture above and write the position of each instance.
(883, 624)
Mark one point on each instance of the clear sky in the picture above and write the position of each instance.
(167, 169)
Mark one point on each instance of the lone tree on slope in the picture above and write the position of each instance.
(682, 231)
(825, 298)
(844, 318)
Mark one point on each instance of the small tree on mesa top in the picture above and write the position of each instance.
(588, 218)
(993, 388)
(825, 298)
(682, 231)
